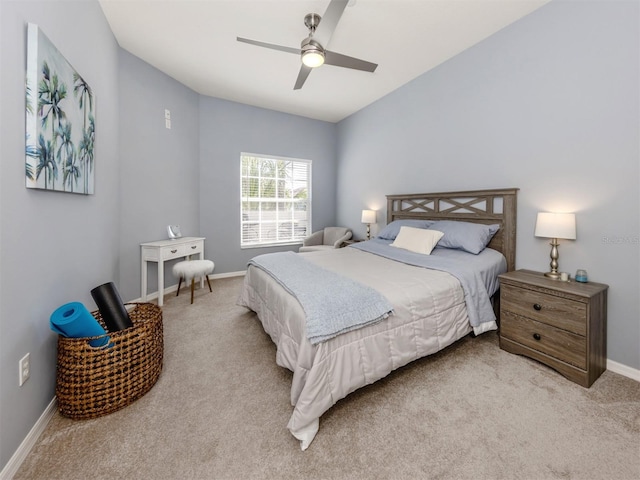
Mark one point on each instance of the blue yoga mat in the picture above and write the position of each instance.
(75, 321)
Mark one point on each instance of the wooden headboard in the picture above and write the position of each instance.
(478, 206)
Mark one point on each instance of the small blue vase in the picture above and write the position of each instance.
(581, 276)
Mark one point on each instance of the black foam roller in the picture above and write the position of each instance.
(114, 314)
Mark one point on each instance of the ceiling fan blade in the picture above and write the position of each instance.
(339, 60)
(302, 77)
(269, 45)
(329, 21)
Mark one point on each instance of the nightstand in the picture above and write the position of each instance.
(560, 324)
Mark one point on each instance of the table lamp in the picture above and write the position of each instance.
(368, 217)
(555, 226)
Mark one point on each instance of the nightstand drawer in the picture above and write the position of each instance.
(565, 346)
(552, 310)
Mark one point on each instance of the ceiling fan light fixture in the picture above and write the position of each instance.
(312, 53)
(313, 58)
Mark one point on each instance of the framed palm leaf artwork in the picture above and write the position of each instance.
(60, 114)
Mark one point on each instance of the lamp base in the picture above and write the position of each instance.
(553, 274)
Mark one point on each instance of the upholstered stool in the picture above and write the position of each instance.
(192, 269)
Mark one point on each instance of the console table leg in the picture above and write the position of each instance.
(143, 281)
(160, 283)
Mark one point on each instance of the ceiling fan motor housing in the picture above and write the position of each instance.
(310, 44)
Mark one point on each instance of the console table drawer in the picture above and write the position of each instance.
(175, 251)
(193, 248)
(565, 346)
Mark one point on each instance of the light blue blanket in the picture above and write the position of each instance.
(333, 304)
(477, 273)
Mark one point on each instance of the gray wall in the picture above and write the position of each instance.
(226, 130)
(159, 166)
(550, 105)
(55, 247)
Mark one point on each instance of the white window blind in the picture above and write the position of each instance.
(275, 198)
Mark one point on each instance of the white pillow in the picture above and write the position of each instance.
(417, 240)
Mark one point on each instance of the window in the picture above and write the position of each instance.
(275, 198)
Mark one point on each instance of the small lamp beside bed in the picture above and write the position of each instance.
(555, 226)
(368, 217)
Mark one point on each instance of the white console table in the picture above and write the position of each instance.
(163, 250)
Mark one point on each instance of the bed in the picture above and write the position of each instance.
(431, 306)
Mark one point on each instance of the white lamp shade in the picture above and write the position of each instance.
(556, 225)
(368, 216)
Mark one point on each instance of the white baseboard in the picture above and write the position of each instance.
(12, 466)
(623, 370)
(241, 273)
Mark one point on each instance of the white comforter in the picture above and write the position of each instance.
(429, 314)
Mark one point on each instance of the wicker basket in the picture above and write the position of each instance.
(92, 382)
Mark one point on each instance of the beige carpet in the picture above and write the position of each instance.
(221, 405)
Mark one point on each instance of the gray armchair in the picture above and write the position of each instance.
(329, 237)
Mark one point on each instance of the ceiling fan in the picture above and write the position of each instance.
(312, 51)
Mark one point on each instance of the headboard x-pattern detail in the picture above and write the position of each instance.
(478, 206)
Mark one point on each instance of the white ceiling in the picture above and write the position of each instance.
(194, 41)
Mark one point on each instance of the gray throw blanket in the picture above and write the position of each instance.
(333, 304)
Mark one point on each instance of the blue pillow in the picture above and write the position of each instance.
(470, 237)
(390, 232)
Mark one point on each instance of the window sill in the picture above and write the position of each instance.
(269, 245)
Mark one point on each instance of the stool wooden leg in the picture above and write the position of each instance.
(193, 282)
(208, 283)
(179, 283)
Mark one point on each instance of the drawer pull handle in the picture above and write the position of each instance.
(174, 251)
(537, 306)
(193, 247)
(537, 336)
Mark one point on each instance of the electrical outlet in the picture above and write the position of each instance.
(25, 369)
